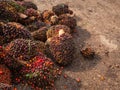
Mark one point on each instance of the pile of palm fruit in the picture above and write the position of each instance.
(33, 44)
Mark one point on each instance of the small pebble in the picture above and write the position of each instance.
(117, 66)
(102, 78)
(78, 80)
(65, 87)
(65, 76)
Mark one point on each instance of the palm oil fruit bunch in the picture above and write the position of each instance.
(54, 30)
(65, 16)
(32, 13)
(8, 12)
(61, 9)
(18, 7)
(62, 47)
(29, 16)
(5, 75)
(49, 17)
(68, 21)
(21, 50)
(41, 72)
(13, 30)
(34, 43)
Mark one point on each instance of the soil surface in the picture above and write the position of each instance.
(98, 28)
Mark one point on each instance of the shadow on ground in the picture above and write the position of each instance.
(80, 63)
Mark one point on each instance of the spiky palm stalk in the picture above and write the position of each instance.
(8, 12)
(20, 51)
(40, 34)
(63, 48)
(13, 30)
(61, 9)
(54, 30)
(68, 21)
(5, 75)
(36, 25)
(40, 73)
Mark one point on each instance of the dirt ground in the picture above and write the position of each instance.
(99, 28)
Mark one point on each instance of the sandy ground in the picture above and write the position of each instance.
(99, 28)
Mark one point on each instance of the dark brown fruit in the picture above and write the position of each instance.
(13, 30)
(36, 25)
(54, 30)
(40, 34)
(61, 9)
(33, 13)
(63, 48)
(68, 21)
(49, 17)
(8, 12)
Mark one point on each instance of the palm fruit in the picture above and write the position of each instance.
(5, 76)
(36, 25)
(8, 12)
(61, 9)
(32, 13)
(20, 51)
(25, 20)
(18, 7)
(13, 30)
(49, 17)
(29, 16)
(40, 34)
(27, 4)
(68, 21)
(32, 16)
(41, 72)
(54, 30)
(63, 48)
(88, 53)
